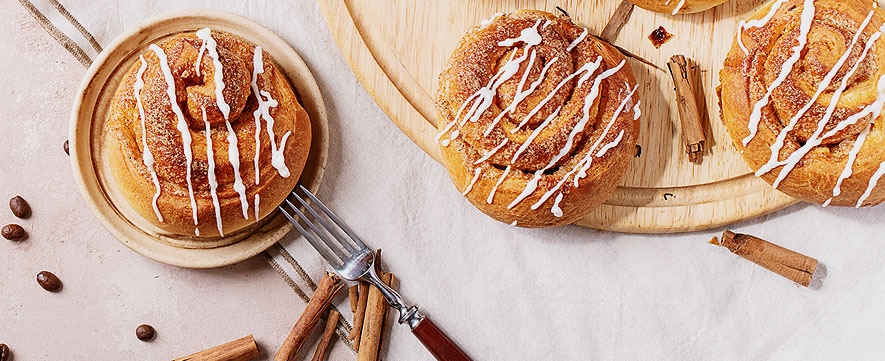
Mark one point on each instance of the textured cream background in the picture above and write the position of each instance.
(503, 293)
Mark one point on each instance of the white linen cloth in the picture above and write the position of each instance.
(503, 293)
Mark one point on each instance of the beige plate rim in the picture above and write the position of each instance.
(85, 117)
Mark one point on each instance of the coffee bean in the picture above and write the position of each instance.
(13, 232)
(4, 352)
(49, 281)
(145, 332)
(20, 208)
(66, 148)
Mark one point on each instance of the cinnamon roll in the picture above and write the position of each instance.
(675, 7)
(537, 119)
(802, 94)
(205, 134)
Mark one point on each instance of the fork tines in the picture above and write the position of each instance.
(324, 230)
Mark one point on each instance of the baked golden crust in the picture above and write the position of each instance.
(181, 174)
(537, 119)
(678, 6)
(806, 116)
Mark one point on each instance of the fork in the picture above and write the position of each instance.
(353, 260)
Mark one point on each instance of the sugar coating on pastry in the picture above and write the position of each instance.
(802, 94)
(205, 135)
(675, 7)
(537, 118)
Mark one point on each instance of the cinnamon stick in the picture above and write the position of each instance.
(794, 266)
(617, 21)
(376, 319)
(326, 339)
(360, 314)
(353, 295)
(691, 119)
(319, 302)
(243, 349)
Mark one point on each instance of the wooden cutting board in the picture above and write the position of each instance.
(397, 48)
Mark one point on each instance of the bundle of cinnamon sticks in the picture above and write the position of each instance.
(370, 312)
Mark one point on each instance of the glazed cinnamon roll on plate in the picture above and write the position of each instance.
(188, 132)
(802, 94)
(538, 119)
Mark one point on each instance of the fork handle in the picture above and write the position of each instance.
(439, 345)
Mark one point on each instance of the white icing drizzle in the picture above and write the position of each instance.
(482, 99)
(557, 212)
(265, 102)
(588, 103)
(852, 156)
(255, 204)
(529, 36)
(744, 25)
(532, 184)
(585, 163)
(256, 56)
(794, 158)
(146, 155)
(587, 159)
(874, 180)
(233, 156)
(678, 7)
(491, 197)
(211, 46)
(200, 58)
(577, 40)
(197, 231)
(873, 109)
(530, 188)
(637, 113)
(492, 152)
(487, 22)
(588, 68)
(181, 125)
(513, 223)
(546, 24)
(520, 94)
(535, 133)
(233, 153)
(610, 145)
(210, 173)
(476, 173)
(804, 27)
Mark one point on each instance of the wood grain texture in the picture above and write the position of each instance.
(397, 49)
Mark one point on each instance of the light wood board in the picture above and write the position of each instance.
(397, 48)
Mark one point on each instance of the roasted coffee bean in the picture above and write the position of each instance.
(4, 352)
(20, 208)
(66, 148)
(13, 232)
(145, 332)
(49, 281)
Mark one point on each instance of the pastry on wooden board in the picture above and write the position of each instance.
(205, 134)
(537, 118)
(802, 93)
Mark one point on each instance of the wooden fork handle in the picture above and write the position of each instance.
(439, 345)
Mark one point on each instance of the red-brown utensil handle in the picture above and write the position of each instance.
(440, 345)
